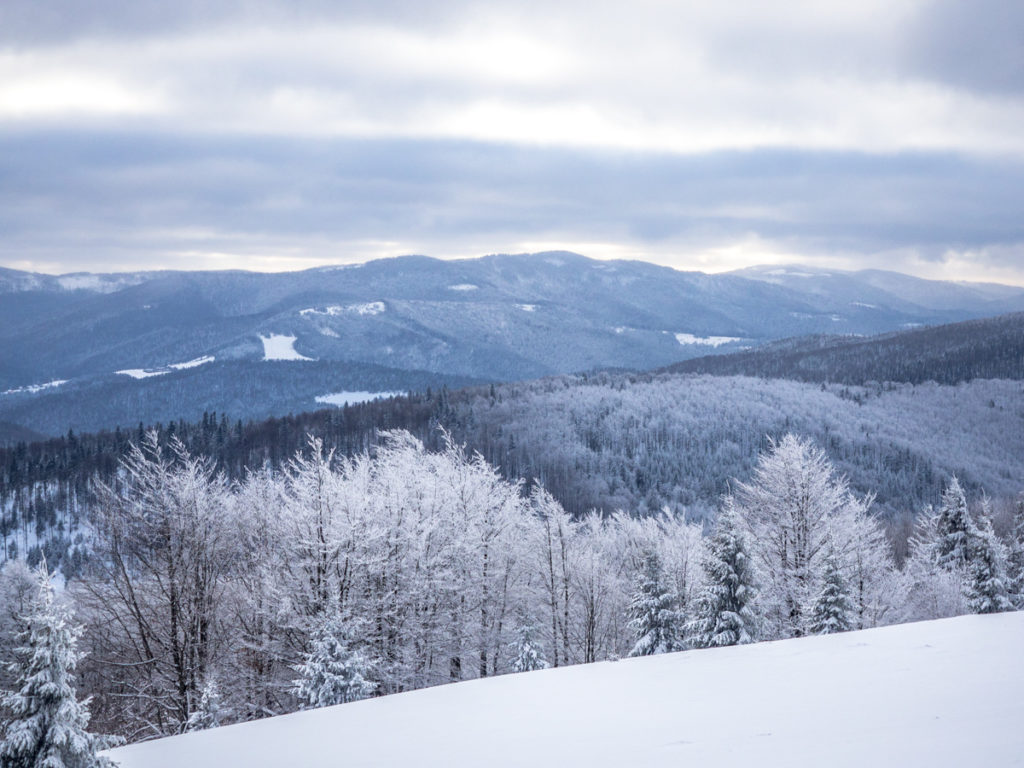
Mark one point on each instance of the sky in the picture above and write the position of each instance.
(275, 135)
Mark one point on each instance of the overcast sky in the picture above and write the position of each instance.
(704, 135)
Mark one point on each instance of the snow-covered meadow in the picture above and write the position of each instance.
(937, 693)
(281, 347)
(352, 398)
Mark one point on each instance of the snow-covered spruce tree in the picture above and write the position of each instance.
(795, 507)
(986, 585)
(832, 611)
(725, 607)
(18, 588)
(529, 653)
(956, 564)
(932, 591)
(47, 725)
(653, 616)
(1015, 558)
(954, 527)
(211, 709)
(332, 673)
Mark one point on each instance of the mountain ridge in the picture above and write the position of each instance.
(502, 317)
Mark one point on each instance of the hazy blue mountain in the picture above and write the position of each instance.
(497, 318)
(880, 290)
(990, 348)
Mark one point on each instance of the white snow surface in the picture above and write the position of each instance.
(527, 307)
(938, 693)
(789, 273)
(85, 281)
(351, 398)
(369, 308)
(708, 341)
(280, 347)
(463, 287)
(145, 373)
(33, 388)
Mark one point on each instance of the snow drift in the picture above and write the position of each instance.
(938, 693)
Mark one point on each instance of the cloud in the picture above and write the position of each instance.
(82, 200)
(274, 134)
(976, 46)
(681, 78)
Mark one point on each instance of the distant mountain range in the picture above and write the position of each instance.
(87, 350)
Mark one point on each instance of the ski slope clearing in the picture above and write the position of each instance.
(352, 398)
(939, 693)
(707, 341)
(145, 373)
(280, 347)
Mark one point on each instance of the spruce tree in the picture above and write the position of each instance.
(724, 612)
(954, 527)
(332, 673)
(986, 584)
(652, 612)
(833, 611)
(529, 653)
(1015, 559)
(47, 726)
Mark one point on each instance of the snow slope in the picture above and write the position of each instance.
(940, 693)
(352, 398)
(281, 347)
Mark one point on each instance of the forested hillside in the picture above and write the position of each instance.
(248, 390)
(607, 442)
(992, 348)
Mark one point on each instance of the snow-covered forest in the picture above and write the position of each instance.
(211, 601)
(627, 442)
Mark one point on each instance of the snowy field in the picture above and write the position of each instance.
(708, 341)
(145, 373)
(33, 388)
(352, 398)
(939, 693)
(280, 347)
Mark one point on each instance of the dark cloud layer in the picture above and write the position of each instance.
(977, 45)
(91, 196)
(30, 22)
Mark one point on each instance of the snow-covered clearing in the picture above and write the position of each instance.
(463, 287)
(369, 308)
(145, 373)
(33, 388)
(280, 347)
(84, 281)
(708, 341)
(938, 693)
(791, 273)
(351, 398)
(527, 307)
